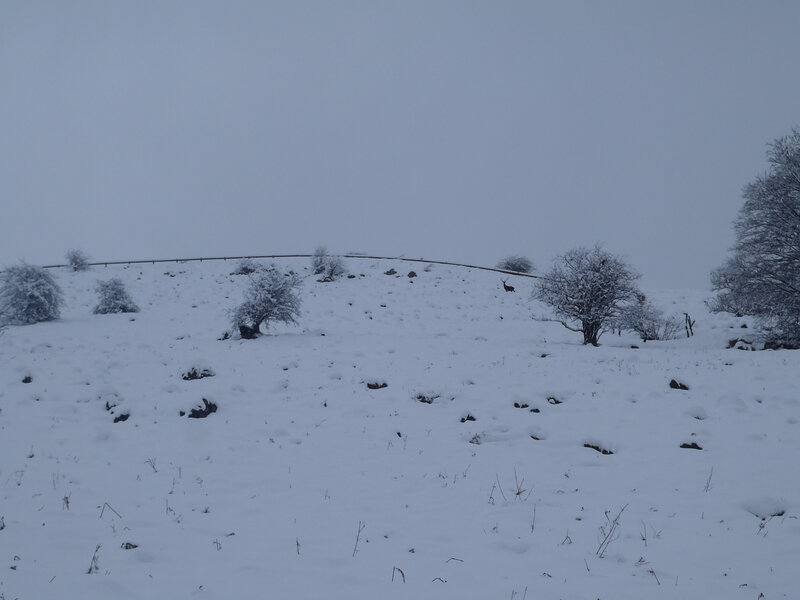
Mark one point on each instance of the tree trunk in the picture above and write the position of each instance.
(590, 333)
(249, 333)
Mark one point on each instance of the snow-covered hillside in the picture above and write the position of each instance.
(467, 476)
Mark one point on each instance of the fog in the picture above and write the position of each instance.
(461, 131)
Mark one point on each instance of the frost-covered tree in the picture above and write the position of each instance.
(28, 294)
(587, 290)
(648, 321)
(732, 281)
(762, 276)
(114, 298)
(77, 260)
(270, 296)
(519, 264)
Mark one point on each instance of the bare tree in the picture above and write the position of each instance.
(648, 321)
(762, 277)
(587, 290)
(733, 283)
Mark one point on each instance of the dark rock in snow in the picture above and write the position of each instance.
(27, 379)
(598, 449)
(676, 385)
(202, 413)
(411, 274)
(390, 272)
(692, 446)
(121, 418)
(195, 373)
(377, 385)
(426, 399)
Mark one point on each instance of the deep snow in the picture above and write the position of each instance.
(263, 499)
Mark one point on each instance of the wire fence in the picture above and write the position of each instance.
(279, 256)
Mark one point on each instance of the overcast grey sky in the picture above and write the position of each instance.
(447, 130)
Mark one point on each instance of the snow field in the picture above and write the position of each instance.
(264, 497)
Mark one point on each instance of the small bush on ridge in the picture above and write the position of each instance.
(518, 264)
(246, 266)
(330, 267)
(318, 259)
(78, 260)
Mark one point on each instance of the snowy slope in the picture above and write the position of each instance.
(263, 499)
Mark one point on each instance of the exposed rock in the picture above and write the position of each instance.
(676, 385)
(204, 411)
(195, 373)
(692, 446)
(598, 449)
(426, 399)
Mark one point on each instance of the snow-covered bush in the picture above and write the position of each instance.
(333, 269)
(114, 298)
(318, 259)
(330, 267)
(246, 266)
(28, 294)
(587, 290)
(762, 276)
(518, 264)
(78, 260)
(270, 296)
(643, 318)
